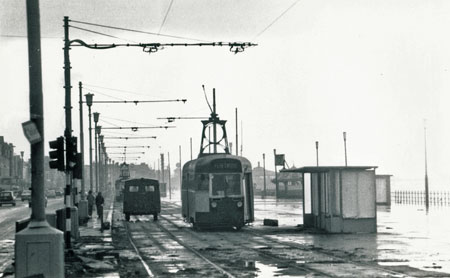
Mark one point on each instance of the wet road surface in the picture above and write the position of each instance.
(8, 217)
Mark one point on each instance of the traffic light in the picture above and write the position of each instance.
(57, 154)
(78, 168)
(72, 153)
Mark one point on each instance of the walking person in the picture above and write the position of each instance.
(99, 201)
(91, 201)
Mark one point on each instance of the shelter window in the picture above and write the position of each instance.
(226, 185)
(134, 188)
(149, 188)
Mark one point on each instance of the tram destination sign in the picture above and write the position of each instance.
(226, 165)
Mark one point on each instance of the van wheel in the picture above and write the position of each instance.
(127, 216)
(155, 217)
(14, 204)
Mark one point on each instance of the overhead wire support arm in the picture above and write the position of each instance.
(135, 128)
(126, 137)
(172, 119)
(235, 47)
(139, 101)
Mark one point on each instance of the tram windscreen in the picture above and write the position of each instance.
(226, 185)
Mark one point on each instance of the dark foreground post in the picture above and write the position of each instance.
(39, 247)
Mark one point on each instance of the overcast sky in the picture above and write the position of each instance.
(375, 69)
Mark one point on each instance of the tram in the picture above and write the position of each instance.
(216, 188)
(141, 197)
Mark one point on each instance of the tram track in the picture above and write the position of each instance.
(158, 236)
(264, 252)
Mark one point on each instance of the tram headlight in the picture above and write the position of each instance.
(239, 204)
(214, 204)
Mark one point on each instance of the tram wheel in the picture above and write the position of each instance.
(155, 217)
(127, 216)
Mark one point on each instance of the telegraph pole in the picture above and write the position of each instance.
(181, 167)
(191, 147)
(38, 239)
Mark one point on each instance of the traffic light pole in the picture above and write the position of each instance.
(39, 247)
(68, 200)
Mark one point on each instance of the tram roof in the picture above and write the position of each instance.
(321, 169)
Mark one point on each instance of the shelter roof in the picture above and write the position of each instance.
(321, 169)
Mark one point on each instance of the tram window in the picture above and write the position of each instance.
(226, 185)
(204, 182)
(149, 188)
(134, 188)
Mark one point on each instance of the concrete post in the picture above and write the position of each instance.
(39, 248)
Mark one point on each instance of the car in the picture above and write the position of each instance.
(26, 195)
(7, 197)
(51, 193)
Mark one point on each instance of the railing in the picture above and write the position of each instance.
(436, 198)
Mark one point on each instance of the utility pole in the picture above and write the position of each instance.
(242, 137)
(39, 247)
(264, 173)
(317, 154)
(345, 147)
(427, 199)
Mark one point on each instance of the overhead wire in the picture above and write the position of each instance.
(119, 90)
(103, 94)
(165, 17)
(132, 122)
(276, 19)
(100, 33)
(137, 31)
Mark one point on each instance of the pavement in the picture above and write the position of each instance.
(93, 253)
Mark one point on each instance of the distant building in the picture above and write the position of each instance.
(258, 181)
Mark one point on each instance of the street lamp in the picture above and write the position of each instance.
(89, 97)
(96, 116)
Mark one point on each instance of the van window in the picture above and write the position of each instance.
(134, 188)
(149, 188)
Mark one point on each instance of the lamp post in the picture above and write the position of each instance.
(89, 104)
(96, 116)
(80, 86)
(100, 159)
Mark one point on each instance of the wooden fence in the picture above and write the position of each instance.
(436, 198)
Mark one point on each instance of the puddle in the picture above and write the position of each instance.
(272, 270)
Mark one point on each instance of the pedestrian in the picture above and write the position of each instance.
(91, 201)
(99, 201)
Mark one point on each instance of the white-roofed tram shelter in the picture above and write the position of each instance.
(339, 199)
